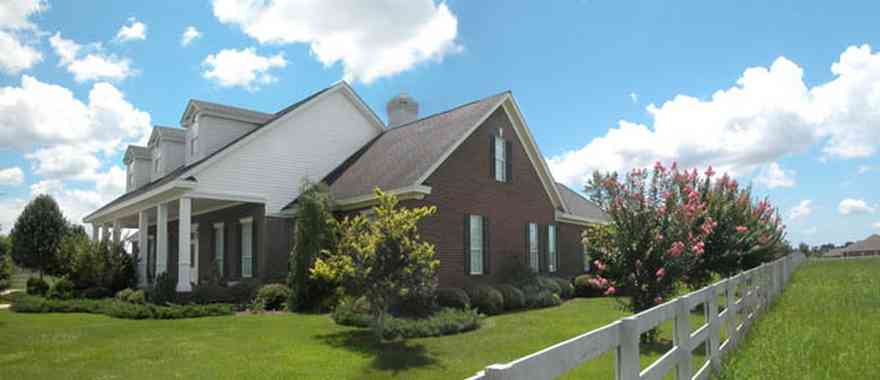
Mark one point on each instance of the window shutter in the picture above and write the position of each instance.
(467, 244)
(492, 156)
(527, 255)
(542, 250)
(486, 255)
(556, 242)
(507, 162)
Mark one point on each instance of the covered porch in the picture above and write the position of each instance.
(192, 236)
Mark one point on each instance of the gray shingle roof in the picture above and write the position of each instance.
(136, 151)
(577, 205)
(172, 132)
(401, 155)
(261, 117)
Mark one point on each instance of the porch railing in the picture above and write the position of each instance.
(747, 295)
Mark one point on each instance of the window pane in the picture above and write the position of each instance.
(551, 247)
(476, 244)
(533, 246)
(499, 170)
(246, 250)
(218, 249)
(500, 165)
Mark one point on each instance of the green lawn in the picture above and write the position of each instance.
(826, 325)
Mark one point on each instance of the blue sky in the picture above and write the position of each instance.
(604, 85)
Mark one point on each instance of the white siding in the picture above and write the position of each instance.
(307, 143)
(213, 133)
(172, 156)
(140, 167)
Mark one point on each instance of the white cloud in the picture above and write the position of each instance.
(94, 66)
(802, 210)
(9, 210)
(634, 97)
(774, 176)
(851, 206)
(15, 28)
(769, 114)
(370, 40)
(62, 136)
(136, 30)
(877, 225)
(11, 176)
(864, 169)
(242, 68)
(190, 34)
(76, 203)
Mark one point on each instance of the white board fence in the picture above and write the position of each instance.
(746, 295)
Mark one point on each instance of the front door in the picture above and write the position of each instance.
(194, 254)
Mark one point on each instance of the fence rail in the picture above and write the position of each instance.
(746, 296)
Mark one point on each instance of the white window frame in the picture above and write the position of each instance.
(193, 148)
(500, 159)
(552, 252)
(247, 250)
(534, 248)
(219, 247)
(475, 223)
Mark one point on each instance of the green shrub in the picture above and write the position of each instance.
(164, 289)
(566, 289)
(455, 298)
(61, 289)
(37, 286)
(349, 313)
(123, 294)
(517, 272)
(118, 309)
(5, 268)
(97, 263)
(96, 293)
(208, 293)
(415, 306)
(243, 292)
(444, 322)
(137, 296)
(587, 285)
(272, 297)
(513, 297)
(549, 285)
(486, 299)
(538, 298)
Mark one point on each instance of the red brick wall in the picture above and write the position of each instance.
(463, 185)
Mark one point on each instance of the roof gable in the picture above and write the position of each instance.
(577, 205)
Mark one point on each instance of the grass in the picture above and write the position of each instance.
(826, 325)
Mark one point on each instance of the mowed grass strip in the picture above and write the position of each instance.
(826, 325)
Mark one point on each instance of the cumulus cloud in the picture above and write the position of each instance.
(135, 30)
(864, 169)
(11, 176)
(63, 137)
(802, 210)
(370, 40)
(93, 66)
(774, 176)
(189, 34)
(634, 97)
(16, 31)
(78, 202)
(851, 206)
(769, 114)
(241, 68)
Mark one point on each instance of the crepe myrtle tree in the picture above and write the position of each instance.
(382, 258)
(657, 231)
(748, 232)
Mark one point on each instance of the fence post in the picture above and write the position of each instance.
(628, 366)
(682, 338)
(731, 310)
(714, 328)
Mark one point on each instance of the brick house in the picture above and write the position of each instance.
(218, 195)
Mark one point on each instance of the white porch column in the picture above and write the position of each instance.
(184, 222)
(162, 238)
(105, 232)
(117, 231)
(95, 231)
(142, 247)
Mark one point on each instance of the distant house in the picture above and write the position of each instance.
(218, 196)
(867, 247)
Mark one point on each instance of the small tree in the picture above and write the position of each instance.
(382, 258)
(315, 230)
(657, 228)
(37, 234)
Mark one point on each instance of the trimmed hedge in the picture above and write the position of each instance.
(565, 287)
(587, 285)
(96, 293)
(455, 298)
(549, 285)
(37, 286)
(537, 297)
(513, 297)
(447, 321)
(117, 309)
(61, 289)
(486, 299)
(272, 297)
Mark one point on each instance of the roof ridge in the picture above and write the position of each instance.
(228, 106)
(433, 115)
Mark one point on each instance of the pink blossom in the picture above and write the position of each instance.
(610, 291)
(658, 300)
(660, 273)
(699, 248)
(659, 167)
(709, 171)
(676, 249)
(599, 265)
(674, 165)
(742, 229)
